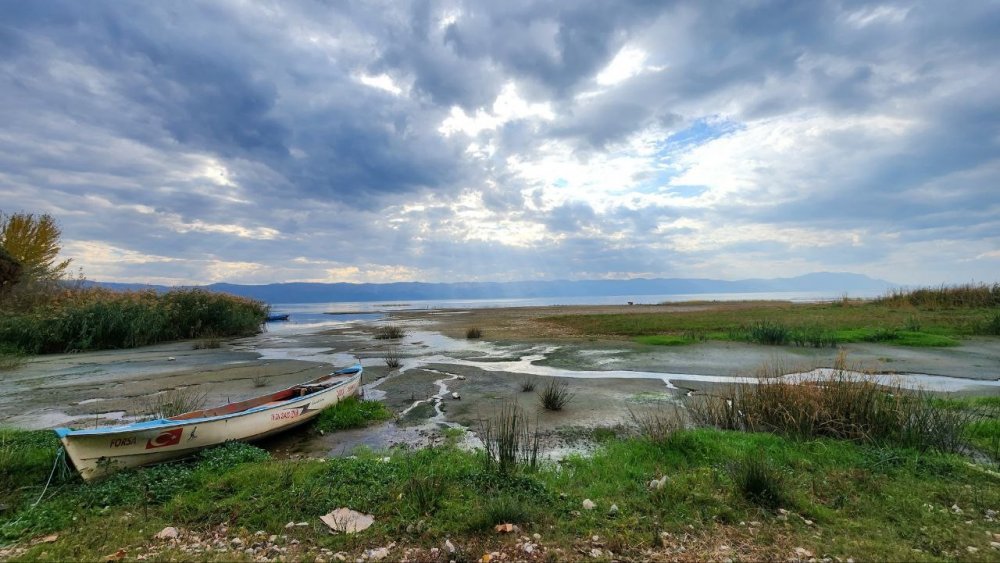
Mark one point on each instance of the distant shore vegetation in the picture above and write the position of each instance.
(925, 317)
(43, 310)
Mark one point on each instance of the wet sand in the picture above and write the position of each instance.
(610, 378)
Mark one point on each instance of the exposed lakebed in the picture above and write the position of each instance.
(610, 379)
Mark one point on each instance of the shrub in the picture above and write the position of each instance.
(528, 385)
(509, 441)
(389, 332)
(473, 333)
(555, 395)
(955, 296)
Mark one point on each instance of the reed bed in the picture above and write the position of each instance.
(847, 405)
(969, 295)
(98, 319)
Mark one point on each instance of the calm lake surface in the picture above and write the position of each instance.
(347, 311)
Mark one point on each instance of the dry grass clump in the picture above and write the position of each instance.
(528, 385)
(389, 332)
(955, 296)
(845, 405)
(473, 333)
(658, 423)
(171, 403)
(509, 441)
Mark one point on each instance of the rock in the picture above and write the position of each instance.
(588, 504)
(995, 545)
(116, 556)
(657, 484)
(449, 546)
(971, 549)
(504, 528)
(803, 552)
(347, 520)
(289, 525)
(955, 509)
(171, 358)
(434, 552)
(168, 533)
(613, 511)
(340, 556)
(377, 554)
(596, 553)
(302, 524)
(272, 538)
(455, 395)
(536, 536)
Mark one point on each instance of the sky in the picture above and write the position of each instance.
(256, 142)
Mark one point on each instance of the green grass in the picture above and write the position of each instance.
(863, 502)
(802, 324)
(96, 319)
(351, 413)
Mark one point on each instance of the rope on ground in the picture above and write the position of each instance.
(55, 464)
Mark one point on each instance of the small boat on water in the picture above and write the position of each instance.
(276, 317)
(100, 451)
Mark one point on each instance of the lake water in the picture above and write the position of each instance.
(348, 311)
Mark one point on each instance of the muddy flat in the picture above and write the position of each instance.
(608, 378)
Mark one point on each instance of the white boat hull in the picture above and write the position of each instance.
(96, 453)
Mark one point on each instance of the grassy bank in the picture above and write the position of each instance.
(687, 494)
(95, 319)
(939, 317)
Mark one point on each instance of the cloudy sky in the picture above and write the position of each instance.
(255, 142)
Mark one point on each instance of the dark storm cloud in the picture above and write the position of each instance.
(242, 133)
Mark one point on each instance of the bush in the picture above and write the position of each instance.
(505, 509)
(956, 296)
(555, 395)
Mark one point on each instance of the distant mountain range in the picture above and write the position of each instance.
(831, 282)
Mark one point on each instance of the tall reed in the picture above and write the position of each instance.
(509, 441)
(846, 405)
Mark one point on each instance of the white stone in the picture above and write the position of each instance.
(449, 546)
(347, 520)
(588, 504)
(167, 533)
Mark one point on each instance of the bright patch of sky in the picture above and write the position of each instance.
(449, 140)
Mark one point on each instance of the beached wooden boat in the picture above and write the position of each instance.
(100, 451)
(276, 317)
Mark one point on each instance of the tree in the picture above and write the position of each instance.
(33, 241)
(10, 271)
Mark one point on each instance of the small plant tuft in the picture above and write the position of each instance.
(509, 441)
(389, 332)
(758, 480)
(473, 333)
(171, 403)
(555, 395)
(528, 385)
(391, 357)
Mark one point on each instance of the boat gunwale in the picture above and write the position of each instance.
(63, 432)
